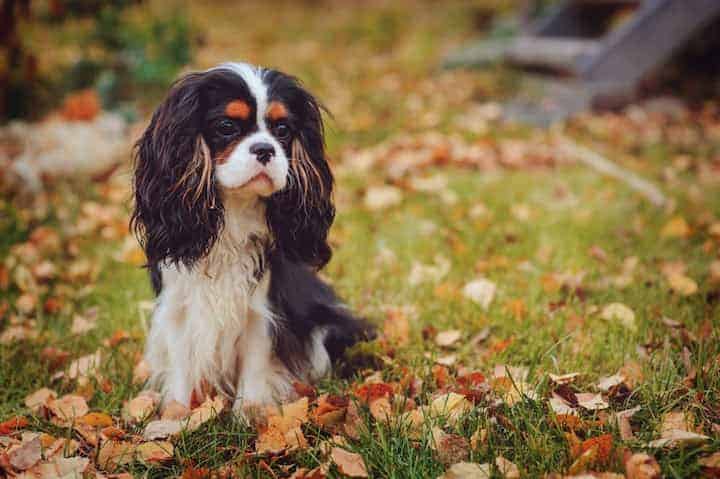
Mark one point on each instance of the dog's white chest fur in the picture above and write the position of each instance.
(212, 322)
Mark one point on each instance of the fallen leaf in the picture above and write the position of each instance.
(206, 411)
(642, 466)
(563, 378)
(141, 372)
(676, 438)
(68, 408)
(429, 273)
(162, 428)
(381, 409)
(467, 470)
(82, 324)
(481, 291)
(84, 366)
(175, 410)
(155, 452)
(449, 448)
(96, 419)
(452, 405)
(710, 464)
(605, 384)
(13, 424)
(682, 284)
(26, 455)
(677, 227)
(61, 468)
(139, 408)
(620, 313)
(396, 327)
(113, 454)
(507, 469)
(348, 463)
(446, 339)
(382, 197)
(39, 399)
(591, 402)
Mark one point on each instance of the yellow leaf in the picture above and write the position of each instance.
(677, 227)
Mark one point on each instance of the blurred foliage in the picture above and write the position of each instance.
(126, 54)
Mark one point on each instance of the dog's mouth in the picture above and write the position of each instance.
(260, 184)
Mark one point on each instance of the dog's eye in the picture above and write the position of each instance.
(225, 127)
(281, 131)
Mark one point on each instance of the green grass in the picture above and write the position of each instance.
(571, 208)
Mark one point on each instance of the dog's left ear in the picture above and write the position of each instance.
(301, 214)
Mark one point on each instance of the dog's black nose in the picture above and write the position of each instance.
(263, 152)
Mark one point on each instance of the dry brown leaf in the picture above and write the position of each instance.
(141, 372)
(682, 284)
(26, 303)
(450, 448)
(620, 313)
(396, 327)
(154, 451)
(96, 419)
(162, 428)
(381, 409)
(642, 466)
(467, 470)
(677, 227)
(605, 384)
(83, 324)
(507, 469)
(348, 463)
(481, 291)
(676, 438)
(39, 399)
(206, 411)
(84, 366)
(26, 454)
(68, 407)
(478, 438)
(591, 401)
(61, 468)
(452, 405)
(113, 454)
(382, 197)
(563, 378)
(175, 410)
(446, 339)
(139, 408)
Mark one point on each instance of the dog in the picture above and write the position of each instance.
(232, 206)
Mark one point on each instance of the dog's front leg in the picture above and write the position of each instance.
(254, 386)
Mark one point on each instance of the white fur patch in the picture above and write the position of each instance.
(212, 323)
(253, 76)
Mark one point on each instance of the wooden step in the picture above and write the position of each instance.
(560, 54)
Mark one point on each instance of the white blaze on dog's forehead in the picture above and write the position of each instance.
(253, 77)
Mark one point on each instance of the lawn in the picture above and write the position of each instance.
(474, 246)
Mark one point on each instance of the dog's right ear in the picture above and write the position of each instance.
(178, 213)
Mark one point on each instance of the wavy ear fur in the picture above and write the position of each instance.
(178, 213)
(300, 215)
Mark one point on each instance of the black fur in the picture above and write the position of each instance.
(303, 303)
(168, 224)
(173, 229)
(299, 232)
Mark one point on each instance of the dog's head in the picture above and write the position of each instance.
(233, 130)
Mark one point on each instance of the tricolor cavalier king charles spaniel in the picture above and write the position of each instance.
(233, 203)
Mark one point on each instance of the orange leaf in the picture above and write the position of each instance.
(13, 424)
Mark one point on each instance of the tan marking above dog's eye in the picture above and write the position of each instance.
(238, 109)
(276, 111)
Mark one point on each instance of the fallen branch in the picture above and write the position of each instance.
(601, 164)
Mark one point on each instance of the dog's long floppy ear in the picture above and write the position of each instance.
(301, 214)
(178, 214)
